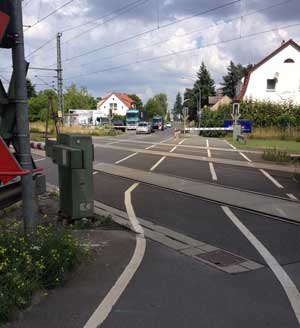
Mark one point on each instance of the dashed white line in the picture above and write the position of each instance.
(212, 171)
(152, 146)
(166, 139)
(208, 150)
(173, 149)
(285, 281)
(124, 159)
(181, 142)
(95, 172)
(40, 159)
(246, 158)
(156, 164)
(105, 307)
(275, 182)
(292, 197)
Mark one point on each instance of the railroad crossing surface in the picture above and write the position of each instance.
(221, 229)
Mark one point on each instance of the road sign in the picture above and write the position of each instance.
(9, 167)
(246, 125)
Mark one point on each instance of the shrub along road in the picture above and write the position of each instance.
(171, 289)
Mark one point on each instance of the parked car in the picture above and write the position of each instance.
(118, 124)
(143, 127)
(168, 125)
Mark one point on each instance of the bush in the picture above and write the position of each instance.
(35, 261)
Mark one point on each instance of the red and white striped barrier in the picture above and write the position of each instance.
(37, 145)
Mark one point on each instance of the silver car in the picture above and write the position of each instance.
(143, 127)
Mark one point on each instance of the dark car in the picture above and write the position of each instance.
(118, 124)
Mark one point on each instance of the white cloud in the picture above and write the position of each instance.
(161, 75)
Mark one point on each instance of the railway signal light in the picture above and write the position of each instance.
(6, 33)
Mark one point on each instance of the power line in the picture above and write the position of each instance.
(127, 7)
(152, 30)
(39, 48)
(184, 51)
(189, 33)
(50, 14)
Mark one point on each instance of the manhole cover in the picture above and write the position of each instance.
(221, 258)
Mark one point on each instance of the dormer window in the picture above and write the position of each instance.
(289, 61)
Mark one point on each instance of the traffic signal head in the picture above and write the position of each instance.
(6, 33)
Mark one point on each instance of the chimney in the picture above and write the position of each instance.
(282, 42)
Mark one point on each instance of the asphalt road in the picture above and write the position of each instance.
(174, 290)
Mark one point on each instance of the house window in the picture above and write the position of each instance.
(271, 84)
(289, 61)
(113, 106)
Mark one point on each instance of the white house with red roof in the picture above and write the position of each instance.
(115, 104)
(276, 78)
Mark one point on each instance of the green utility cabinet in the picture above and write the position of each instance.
(74, 155)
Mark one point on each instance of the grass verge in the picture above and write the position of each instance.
(37, 130)
(32, 262)
(283, 145)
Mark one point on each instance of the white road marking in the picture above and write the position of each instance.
(228, 143)
(95, 172)
(212, 171)
(40, 159)
(181, 142)
(156, 164)
(167, 139)
(105, 307)
(208, 150)
(285, 281)
(275, 182)
(112, 143)
(292, 197)
(124, 159)
(246, 158)
(174, 148)
(152, 146)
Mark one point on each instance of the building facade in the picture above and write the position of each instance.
(115, 104)
(276, 78)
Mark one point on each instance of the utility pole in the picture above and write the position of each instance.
(23, 137)
(59, 78)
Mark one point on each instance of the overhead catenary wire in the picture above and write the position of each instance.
(125, 9)
(183, 51)
(138, 35)
(232, 19)
(50, 14)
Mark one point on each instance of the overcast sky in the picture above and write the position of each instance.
(146, 46)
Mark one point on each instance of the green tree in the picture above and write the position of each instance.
(38, 105)
(30, 89)
(78, 99)
(190, 101)
(206, 84)
(138, 101)
(162, 99)
(232, 78)
(153, 107)
(177, 108)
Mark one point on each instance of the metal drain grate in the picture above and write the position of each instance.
(221, 258)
